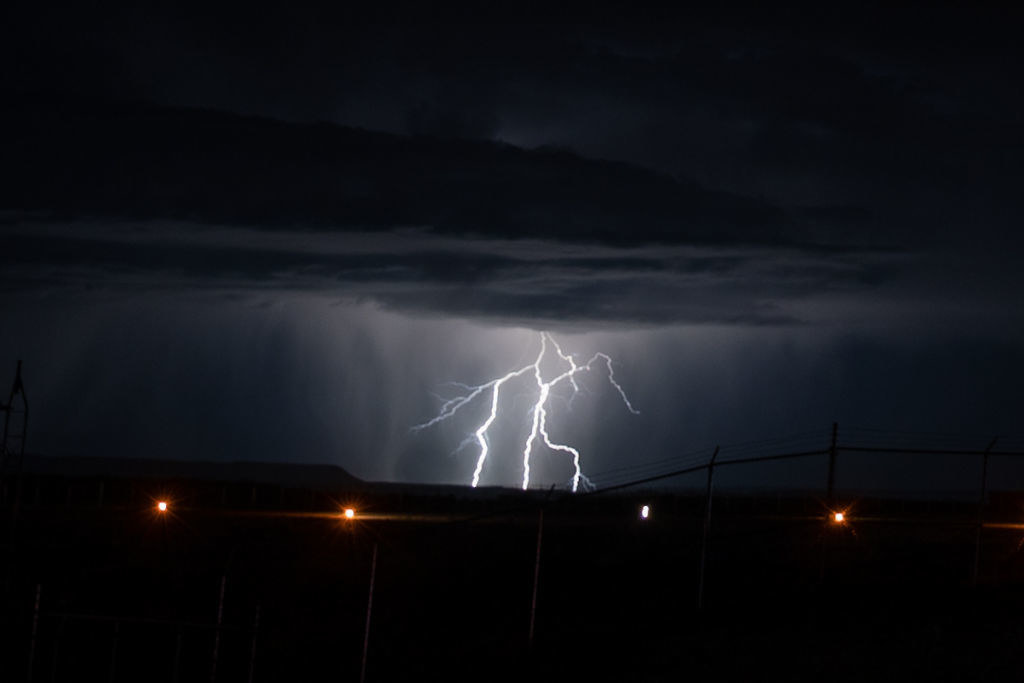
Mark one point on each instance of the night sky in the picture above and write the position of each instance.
(276, 234)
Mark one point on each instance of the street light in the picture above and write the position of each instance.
(350, 513)
(161, 506)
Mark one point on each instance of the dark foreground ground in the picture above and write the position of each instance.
(127, 594)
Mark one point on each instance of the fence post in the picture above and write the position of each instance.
(369, 610)
(536, 577)
(832, 464)
(35, 631)
(981, 510)
(113, 653)
(177, 656)
(707, 528)
(255, 632)
(216, 633)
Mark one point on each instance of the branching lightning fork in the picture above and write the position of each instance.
(539, 411)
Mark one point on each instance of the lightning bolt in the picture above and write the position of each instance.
(539, 412)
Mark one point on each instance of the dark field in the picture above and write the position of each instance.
(131, 595)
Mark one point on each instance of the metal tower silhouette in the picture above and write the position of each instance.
(12, 448)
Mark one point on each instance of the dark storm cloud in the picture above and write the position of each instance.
(472, 228)
(138, 162)
(909, 113)
(536, 282)
(137, 196)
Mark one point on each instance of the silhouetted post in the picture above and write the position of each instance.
(369, 611)
(981, 510)
(8, 453)
(536, 578)
(824, 554)
(707, 528)
(255, 632)
(17, 390)
(216, 633)
(35, 631)
(829, 496)
(113, 653)
(832, 464)
(177, 656)
(55, 657)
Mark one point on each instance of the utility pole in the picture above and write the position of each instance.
(12, 460)
(981, 510)
(830, 497)
(12, 448)
(707, 528)
(830, 493)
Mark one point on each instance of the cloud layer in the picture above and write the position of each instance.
(166, 199)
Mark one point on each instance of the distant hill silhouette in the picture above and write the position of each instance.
(283, 474)
(290, 475)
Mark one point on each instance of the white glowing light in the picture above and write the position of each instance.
(350, 513)
(162, 506)
(645, 512)
(539, 411)
(839, 517)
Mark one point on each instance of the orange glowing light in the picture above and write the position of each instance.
(838, 517)
(161, 506)
(350, 513)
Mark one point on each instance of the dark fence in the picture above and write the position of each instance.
(243, 582)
